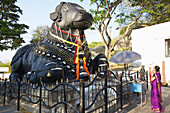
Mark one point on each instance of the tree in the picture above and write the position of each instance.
(133, 16)
(128, 17)
(39, 33)
(102, 15)
(95, 44)
(6, 65)
(148, 12)
(10, 29)
(155, 11)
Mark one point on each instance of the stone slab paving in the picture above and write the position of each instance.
(7, 109)
(146, 108)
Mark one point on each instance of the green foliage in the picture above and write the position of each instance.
(131, 13)
(92, 28)
(100, 12)
(10, 29)
(95, 44)
(125, 17)
(122, 30)
(130, 49)
(154, 12)
(40, 33)
(123, 49)
(6, 65)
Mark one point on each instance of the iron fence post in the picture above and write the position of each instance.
(82, 97)
(105, 73)
(4, 91)
(64, 92)
(40, 97)
(121, 91)
(18, 97)
(137, 74)
(147, 79)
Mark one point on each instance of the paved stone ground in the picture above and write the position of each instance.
(7, 109)
(146, 108)
(130, 108)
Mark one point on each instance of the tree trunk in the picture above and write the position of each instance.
(107, 53)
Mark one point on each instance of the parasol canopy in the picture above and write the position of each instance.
(125, 57)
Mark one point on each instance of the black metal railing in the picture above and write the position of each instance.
(104, 92)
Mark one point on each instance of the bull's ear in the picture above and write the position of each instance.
(57, 14)
(53, 16)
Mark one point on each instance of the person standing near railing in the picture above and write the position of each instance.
(156, 96)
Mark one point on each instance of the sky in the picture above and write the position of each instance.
(36, 13)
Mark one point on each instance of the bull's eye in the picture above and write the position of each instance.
(65, 8)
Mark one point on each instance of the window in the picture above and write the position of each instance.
(167, 47)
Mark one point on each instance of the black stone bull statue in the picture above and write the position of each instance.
(64, 52)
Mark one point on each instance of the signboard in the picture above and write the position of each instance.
(4, 69)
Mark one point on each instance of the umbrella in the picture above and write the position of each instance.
(125, 57)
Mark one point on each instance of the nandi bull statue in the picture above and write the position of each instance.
(64, 47)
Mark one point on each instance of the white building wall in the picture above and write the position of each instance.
(150, 43)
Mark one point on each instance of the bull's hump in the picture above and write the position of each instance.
(20, 53)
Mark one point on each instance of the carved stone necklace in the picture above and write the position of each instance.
(62, 50)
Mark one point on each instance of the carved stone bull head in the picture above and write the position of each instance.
(71, 15)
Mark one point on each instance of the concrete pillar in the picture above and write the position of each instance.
(163, 72)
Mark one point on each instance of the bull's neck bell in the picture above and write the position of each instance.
(48, 74)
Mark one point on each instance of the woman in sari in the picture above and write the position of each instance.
(156, 97)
